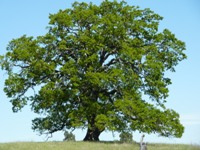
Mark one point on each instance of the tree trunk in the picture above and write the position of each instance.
(92, 135)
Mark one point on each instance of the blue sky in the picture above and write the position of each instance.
(182, 17)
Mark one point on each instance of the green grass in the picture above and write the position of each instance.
(90, 146)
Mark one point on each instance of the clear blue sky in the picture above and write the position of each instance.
(182, 17)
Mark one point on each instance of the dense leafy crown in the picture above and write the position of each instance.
(92, 69)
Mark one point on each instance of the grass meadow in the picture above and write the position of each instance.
(90, 146)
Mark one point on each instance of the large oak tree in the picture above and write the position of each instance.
(98, 67)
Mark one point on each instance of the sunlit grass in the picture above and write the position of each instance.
(90, 146)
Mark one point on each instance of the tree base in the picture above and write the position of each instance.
(92, 135)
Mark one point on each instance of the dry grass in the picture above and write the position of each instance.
(90, 146)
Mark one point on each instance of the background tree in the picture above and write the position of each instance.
(92, 69)
(69, 136)
(126, 137)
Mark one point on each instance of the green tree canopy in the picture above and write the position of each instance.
(92, 68)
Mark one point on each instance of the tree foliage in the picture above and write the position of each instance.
(92, 68)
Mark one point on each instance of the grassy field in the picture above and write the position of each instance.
(89, 146)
